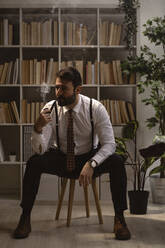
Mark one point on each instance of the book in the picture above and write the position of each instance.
(55, 33)
(130, 111)
(4, 73)
(107, 73)
(49, 71)
(10, 34)
(24, 111)
(111, 33)
(9, 71)
(16, 71)
(115, 72)
(43, 71)
(119, 72)
(5, 31)
(7, 113)
(2, 155)
(62, 33)
(2, 113)
(15, 110)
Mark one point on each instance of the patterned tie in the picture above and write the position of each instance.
(70, 143)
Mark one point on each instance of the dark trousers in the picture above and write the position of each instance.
(54, 162)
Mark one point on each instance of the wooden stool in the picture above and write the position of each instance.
(71, 197)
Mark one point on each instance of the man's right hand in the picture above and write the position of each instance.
(43, 119)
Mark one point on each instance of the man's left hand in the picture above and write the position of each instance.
(86, 174)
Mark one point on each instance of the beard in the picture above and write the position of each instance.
(65, 101)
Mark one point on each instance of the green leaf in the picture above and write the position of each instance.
(157, 169)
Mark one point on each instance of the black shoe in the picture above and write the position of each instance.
(23, 229)
(120, 228)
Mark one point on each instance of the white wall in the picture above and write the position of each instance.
(148, 9)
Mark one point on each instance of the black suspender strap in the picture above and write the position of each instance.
(57, 133)
(92, 125)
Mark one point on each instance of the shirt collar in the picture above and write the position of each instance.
(76, 107)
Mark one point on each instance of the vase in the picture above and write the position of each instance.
(157, 185)
(138, 201)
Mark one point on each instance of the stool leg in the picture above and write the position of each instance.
(70, 203)
(97, 201)
(61, 198)
(86, 200)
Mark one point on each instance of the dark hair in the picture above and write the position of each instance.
(70, 74)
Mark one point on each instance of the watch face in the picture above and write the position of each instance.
(93, 164)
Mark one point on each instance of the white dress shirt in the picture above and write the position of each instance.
(103, 131)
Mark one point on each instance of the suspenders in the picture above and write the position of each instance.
(92, 124)
(91, 119)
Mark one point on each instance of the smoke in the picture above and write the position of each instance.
(44, 90)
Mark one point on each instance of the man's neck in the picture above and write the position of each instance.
(73, 104)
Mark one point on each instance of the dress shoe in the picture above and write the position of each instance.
(23, 229)
(120, 228)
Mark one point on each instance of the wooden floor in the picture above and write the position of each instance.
(147, 230)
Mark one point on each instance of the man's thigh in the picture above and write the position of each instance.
(51, 162)
(108, 164)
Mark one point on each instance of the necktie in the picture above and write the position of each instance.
(70, 143)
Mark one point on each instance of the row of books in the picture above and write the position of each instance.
(6, 32)
(87, 69)
(44, 72)
(46, 33)
(72, 33)
(31, 111)
(9, 72)
(111, 73)
(120, 111)
(39, 72)
(9, 112)
(40, 33)
(110, 33)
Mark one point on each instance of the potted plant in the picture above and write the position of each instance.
(138, 196)
(152, 70)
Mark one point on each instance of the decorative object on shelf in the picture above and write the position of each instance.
(138, 197)
(130, 21)
(12, 157)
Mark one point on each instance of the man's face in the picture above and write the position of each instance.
(65, 93)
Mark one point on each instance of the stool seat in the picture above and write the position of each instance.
(71, 197)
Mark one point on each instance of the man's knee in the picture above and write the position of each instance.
(116, 162)
(33, 162)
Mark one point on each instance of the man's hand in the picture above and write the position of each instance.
(43, 119)
(86, 174)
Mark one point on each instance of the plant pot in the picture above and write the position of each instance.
(138, 201)
(157, 185)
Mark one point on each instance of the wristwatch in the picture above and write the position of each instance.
(92, 163)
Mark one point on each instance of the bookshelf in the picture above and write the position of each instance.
(34, 44)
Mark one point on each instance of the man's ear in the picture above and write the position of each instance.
(78, 89)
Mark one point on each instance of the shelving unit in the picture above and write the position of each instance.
(85, 44)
